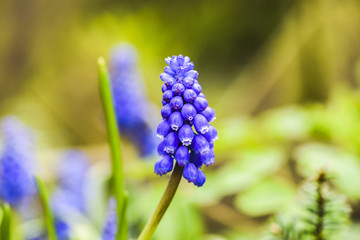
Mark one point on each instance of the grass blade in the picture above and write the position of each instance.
(114, 141)
(49, 218)
(5, 228)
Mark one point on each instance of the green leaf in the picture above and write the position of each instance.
(114, 141)
(49, 218)
(344, 165)
(5, 228)
(266, 197)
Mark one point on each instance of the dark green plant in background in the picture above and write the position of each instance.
(323, 214)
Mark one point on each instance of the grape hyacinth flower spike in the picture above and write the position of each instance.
(132, 108)
(187, 135)
(16, 178)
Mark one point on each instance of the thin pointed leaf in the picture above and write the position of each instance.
(114, 141)
(5, 228)
(49, 218)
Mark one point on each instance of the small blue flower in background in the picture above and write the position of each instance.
(71, 176)
(131, 105)
(110, 227)
(187, 135)
(16, 162)
(69, 196)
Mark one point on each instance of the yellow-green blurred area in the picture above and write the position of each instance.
(283, 77)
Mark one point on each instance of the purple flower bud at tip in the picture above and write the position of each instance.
(174, 64)
(168, 79)
(169, 71)
(192, 74)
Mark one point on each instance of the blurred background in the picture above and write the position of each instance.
(283, 77)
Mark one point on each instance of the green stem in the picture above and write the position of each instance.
(164, 203)
(5, 228)
(114, 141)
(49, 218)
(124, 222)
(320, 202)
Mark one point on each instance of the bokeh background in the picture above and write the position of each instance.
(283, 77)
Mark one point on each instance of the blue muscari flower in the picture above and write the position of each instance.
(69, 197)
(187, 135)
(110, 227)
(131, 104)
(70, 194)
(16, 177)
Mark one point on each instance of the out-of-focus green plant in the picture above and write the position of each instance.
(49, 217)
(5, 227)
(323, 214)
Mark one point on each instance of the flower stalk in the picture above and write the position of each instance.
(164, 203)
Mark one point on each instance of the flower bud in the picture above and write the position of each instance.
(200, 179)
(176, 103)
(201, 124)
(209, 114)
(200, 104)
(166, 111)
(176, 120)
(188, 112)
(189, 95)
(190, 172)
(182, 156)
(164, 165)
(200, 144)
(186, 135)
(163, 129)
(171, 143)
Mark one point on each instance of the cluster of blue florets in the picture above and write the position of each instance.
(16, 160)
(131, 105)
(187, 135)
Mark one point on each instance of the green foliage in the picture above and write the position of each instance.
(48, 215)
(5, 227)
(114, 142)
(323, 214)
